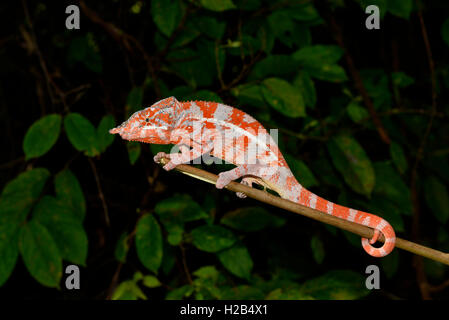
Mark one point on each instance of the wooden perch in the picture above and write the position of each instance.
(361, 230)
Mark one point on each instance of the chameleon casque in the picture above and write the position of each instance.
(200, 127)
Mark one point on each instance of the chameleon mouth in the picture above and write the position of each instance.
(115, 130)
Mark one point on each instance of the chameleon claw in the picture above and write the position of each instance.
(170, 165)
(222, 180)
(241, 195)
(157, 158)
(247, 182)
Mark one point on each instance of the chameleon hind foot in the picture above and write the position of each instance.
(247, 182)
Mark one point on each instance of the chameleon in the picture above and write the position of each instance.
(202, 128)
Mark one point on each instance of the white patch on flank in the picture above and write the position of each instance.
(330, 207)
(382, 224)
(366, 221)
(390, 239)
(352, 214)
(312, 200)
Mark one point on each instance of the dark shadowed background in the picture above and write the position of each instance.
(362, 118)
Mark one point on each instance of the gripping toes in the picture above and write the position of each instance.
(223, 179)
(157, 158)
(246, 182)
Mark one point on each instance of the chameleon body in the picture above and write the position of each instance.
(200, 128)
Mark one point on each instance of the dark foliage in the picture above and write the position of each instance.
(362, 118)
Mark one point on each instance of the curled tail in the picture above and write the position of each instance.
(311, 200)
(306, 198)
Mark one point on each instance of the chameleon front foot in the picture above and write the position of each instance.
(223, 180)
(157, 158)
(169, 165)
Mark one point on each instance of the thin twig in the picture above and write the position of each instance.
(418, 263)
(358, 82)
(124, 39)
(50, 83)
(361, 230)
(184, 264)
(100, 192)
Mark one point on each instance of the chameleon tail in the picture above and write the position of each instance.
(311, 200)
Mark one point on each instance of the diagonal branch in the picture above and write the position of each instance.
(361, 230)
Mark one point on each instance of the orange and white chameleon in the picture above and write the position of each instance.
(199, 128)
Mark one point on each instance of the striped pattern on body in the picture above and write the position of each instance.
(232, 135)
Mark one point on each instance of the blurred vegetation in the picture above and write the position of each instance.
(362, 118)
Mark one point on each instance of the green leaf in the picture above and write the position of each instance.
(389, 185)
(128, 290)
(217, 5)
(300, 170)
(237, 261)
(283, 97)
(336, 285)
(307, 88)
(352, 162)
(401, 79)
(445, 31)
(328, 72)
(151, 282)
(320, 62)
(68, 190)
(81, 134)
(64, 227)
(437, 198)
(20, 194)
(103, 136)
(317, 249)
(180, 293)
(210, 26)
(207, 272)
(250, 94)
(212, 238)
(149, 242)
(304, 12)
(41, 136)
(122, 247)
(400, 8)
(180, 208)
(85, 50)
(241, 292)
(134, 101)
(398, 156)
(356, 112)
(134, 149)
(40, 254)
(166, 14)
(311, 56)
(9, 249)
(287, 294)
(281, 23)
(251, 219)
(273, 65)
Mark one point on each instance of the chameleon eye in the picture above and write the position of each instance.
(147, 120)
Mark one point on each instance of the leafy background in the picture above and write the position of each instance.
(362, 118)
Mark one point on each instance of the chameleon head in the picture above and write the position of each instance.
(153, 124)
